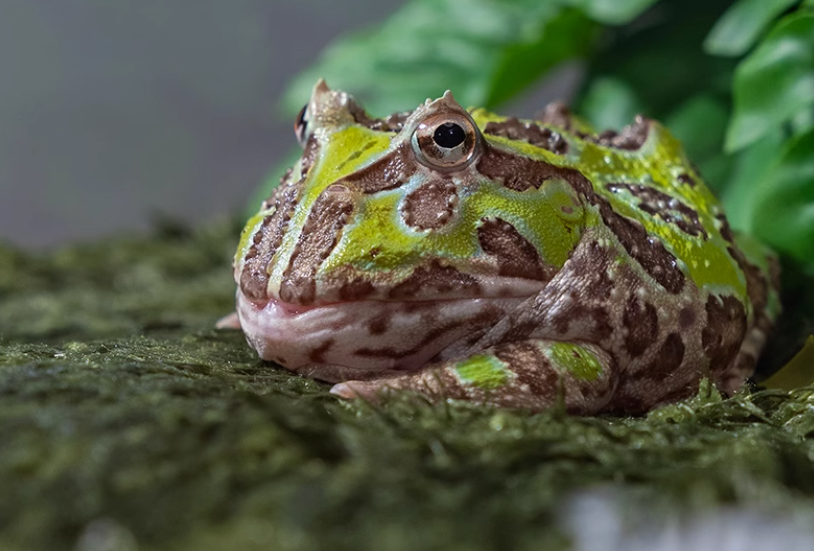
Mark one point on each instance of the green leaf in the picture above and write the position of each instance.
(739, 28)
(613, 12)
(775, 82)
(785, 218)
(700, 124)
(802, 121)
(798, 372)
(610, 103)
(520, 65)
(741, 195)
(661, 59)
(485, 51)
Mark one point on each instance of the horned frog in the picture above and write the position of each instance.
(516, 263)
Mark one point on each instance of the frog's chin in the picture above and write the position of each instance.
(366, 339)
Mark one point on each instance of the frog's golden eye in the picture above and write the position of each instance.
(301, 126)
(446, 142)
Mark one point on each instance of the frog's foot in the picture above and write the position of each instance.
(230, 321)
(534, 374)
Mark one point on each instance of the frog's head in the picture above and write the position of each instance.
(418, 208)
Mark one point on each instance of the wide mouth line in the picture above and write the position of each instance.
(292, 309)
(492, 289)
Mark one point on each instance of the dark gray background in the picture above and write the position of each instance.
(114, 110)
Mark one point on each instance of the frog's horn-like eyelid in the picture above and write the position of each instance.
(321, 86)
(445, 101)
(320, 90)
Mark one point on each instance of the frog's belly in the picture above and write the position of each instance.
(363, 340)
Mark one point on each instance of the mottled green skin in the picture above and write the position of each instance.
(594, 269)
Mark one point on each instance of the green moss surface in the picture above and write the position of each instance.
(128, 422)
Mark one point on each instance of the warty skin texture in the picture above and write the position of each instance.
(518, 263)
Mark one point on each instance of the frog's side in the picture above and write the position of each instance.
(511, 262)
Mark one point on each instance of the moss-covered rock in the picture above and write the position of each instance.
(127, 421)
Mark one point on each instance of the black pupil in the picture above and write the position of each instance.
(449, 135)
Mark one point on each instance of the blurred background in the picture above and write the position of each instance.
(113, 112)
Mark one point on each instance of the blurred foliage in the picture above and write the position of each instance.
(733, 80)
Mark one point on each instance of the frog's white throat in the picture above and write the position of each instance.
(367, 339)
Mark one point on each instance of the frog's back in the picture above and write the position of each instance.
(647, 198)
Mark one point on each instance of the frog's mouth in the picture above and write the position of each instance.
(367, 339)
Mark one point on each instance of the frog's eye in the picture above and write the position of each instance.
(445, 142)
(301, 126)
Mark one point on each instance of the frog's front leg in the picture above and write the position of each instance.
(532, 374)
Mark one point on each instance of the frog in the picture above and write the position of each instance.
(509, 262)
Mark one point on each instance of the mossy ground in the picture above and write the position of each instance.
(127, 421)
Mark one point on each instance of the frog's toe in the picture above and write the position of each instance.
(433, 383)
(355, 389)
(230, 321)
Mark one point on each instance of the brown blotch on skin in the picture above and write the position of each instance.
(556, 114)
(726, 230)
(531, 367)
(386, 352)
(669, 357)
(642, 324)
(592, 262)
(319, 236)
(477, 324)
(309, 156)
(757, 288)
(658, 204)
(254, 277)
(686, 179)
(631, 138)
(379, 324)
(389, 172)
(602, 326)
(392, 123)
(745, 363)
(595, 319)
(522, 173)
(528, 132)
(686, 317)
(430, 206)
(515, 256)
(356, 290)
(647, 250)
(317, 355)
(436, 279)
(724, 331)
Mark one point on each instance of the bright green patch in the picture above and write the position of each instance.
(483, 371)
(575, 359)
(537, 214)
